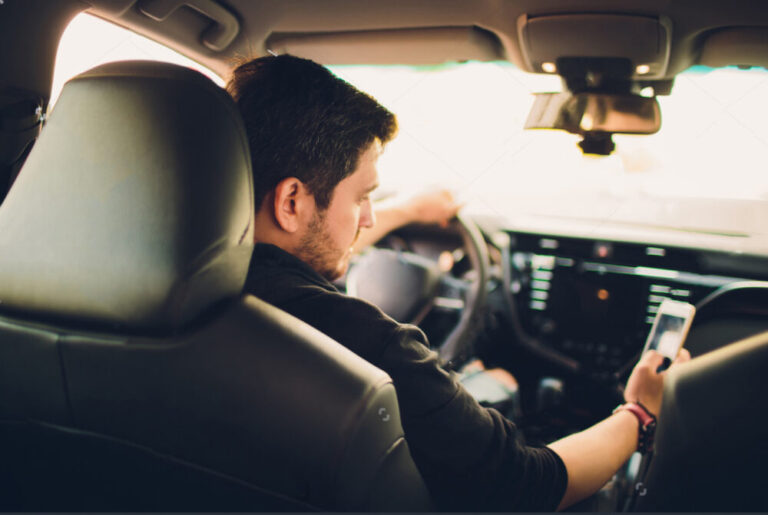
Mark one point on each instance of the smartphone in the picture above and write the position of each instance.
(669, 330)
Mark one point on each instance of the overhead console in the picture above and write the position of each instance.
(612, 65)
(644, 40)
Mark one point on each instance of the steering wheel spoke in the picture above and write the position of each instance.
(449, 303)
(408, 287)
(452, 293)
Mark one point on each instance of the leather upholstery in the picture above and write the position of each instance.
(134, 375)
(109, 225)
(730, 313)
(711, 449)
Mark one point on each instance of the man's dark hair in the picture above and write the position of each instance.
(302, 121)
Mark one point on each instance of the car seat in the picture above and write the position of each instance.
(134, 374)
(711, 444)
(728, 314)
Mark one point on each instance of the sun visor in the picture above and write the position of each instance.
(421, 46)
(644, 40)
(739, 46)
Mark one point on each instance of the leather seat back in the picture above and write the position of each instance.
(730, 313)
(134, 375)
(711, 448)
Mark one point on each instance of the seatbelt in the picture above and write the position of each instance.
(21, 119)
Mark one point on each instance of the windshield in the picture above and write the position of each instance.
(461, 127)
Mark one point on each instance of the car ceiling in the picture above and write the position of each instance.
(709, 32)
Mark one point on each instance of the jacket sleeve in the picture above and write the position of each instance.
(471, 457)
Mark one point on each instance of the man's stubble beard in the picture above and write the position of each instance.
(317, 249)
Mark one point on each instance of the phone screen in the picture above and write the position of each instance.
(668, 335)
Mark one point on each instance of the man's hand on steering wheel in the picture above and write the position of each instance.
(434, 206)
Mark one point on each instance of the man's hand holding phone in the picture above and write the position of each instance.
(645, 384)
(662, 350)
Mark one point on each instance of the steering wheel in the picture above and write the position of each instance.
(406, 286)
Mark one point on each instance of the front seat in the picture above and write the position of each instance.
(732, 312)
(712, 442)
(134, 374)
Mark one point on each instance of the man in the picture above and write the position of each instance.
(314, 143)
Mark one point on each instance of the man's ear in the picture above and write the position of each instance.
(291, 203)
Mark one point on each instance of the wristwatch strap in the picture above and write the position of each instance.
(647, 424)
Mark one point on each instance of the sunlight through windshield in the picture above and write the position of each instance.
(461, 127)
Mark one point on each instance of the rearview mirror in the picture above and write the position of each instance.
(592, 112)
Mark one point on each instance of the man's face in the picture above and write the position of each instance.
(327, 243)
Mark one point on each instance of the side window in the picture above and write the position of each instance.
(89, 41)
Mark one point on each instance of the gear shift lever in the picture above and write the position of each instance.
(549, 394)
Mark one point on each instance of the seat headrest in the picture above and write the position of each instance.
(135, 207)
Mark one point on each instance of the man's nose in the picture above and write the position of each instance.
(367, 216)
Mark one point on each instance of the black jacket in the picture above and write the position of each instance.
(471, 457)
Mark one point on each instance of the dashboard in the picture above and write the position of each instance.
(593, 301)
(568, 315)
(587, 303)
